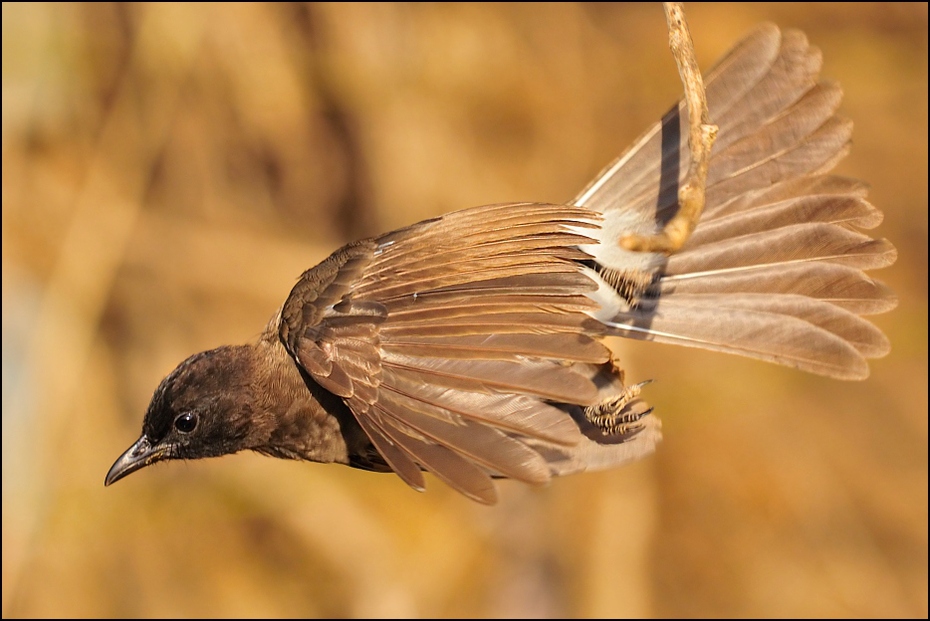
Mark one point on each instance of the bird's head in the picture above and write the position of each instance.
(202, 409)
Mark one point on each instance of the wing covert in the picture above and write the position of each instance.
(453, 340)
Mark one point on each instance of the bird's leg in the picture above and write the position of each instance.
(615, 415)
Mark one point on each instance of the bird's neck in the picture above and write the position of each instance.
(295, 422)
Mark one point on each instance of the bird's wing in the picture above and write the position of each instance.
(452, 340)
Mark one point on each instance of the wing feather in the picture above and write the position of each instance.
(450, 340)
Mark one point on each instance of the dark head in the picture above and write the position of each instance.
(202, 409)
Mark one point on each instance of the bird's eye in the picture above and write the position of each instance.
(186, 422)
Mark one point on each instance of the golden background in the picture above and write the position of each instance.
(169, 171)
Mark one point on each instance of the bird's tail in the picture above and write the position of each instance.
(774, 269)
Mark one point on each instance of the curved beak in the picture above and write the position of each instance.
(138, 456)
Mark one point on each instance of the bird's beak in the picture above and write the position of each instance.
(138, 456)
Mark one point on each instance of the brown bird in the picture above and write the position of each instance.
(471, 345)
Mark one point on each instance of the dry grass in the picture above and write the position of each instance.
(168, 171)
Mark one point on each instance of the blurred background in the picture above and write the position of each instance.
(169, 171)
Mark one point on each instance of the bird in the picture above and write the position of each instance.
(472, 346)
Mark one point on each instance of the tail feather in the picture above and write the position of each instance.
(774, 269)
(804, 333)
(843, 210)
(790, 189)
(840, 285)
(790, 77)
(782, 134)
(796, 243)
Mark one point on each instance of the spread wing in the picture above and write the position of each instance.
(459, 342)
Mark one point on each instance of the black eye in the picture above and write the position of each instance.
(185, 423)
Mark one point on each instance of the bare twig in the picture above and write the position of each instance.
(700, 139)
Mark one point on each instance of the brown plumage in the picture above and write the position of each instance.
(471, 345)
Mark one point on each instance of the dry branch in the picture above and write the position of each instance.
(700, 140)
